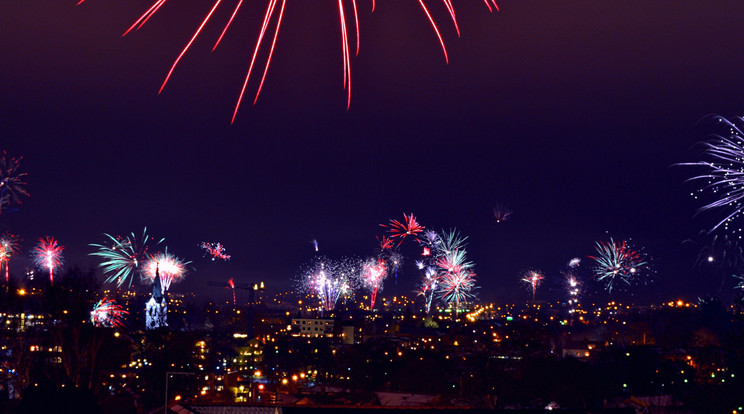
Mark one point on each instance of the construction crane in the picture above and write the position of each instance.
(250, 287)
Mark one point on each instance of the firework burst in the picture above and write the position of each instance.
(122, 257)
(374, 272)
(501, 213)
(429, 242)
(450, 241)
(533, 279)
(456, 286)
(215, 250)
(455, 279)
(9, 246)
(12, 184)
(329, 280)
(454, 261)
(723, 173)
(348, 21)
(395, 262)
(171, 269)
(409, 227)
(740, 285)
(617, 262)
(107, 313)
(428, 286)
(572, 284)
(386, 243)
(231, 285)
(48, 255)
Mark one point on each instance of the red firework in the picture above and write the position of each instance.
(231, 284)
(274, 15)
(401, 230)
(386, 243)
(215, 250)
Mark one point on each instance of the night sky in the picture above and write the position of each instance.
(569, 112)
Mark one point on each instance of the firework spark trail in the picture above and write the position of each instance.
(270, 13)
(374, 272)
(231, 284)
(386, 243)
(227, 26)
(9, 246)
(107, 313)
(172, 269)
(456, 287)
(48, 255)
(455, 279)
(329, 289)
(215, 250)
(409, 227)
(330, 280)
(447, 273)
(430, 239)
(122, 257)
(12, 184)
(269, 17)
(533, 279)
(395, 261)
(573, 287)
(501, 213)
(450, 241)
(436, 30)
(740, 285)
(616, 262)
(429, 285)
(454, 261)
(451, 10)
(722, 251)
(724, 171)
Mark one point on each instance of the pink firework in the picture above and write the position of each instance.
(373, 274)
(408, 227)
(107, 313)
(48, 255)
(171, 269)
(348, 16)
(9, 246)
(533, 279)
(215, 250)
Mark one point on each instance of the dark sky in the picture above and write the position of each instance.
(570, 112)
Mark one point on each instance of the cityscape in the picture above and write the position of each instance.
(269, 207)
(279, 350)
